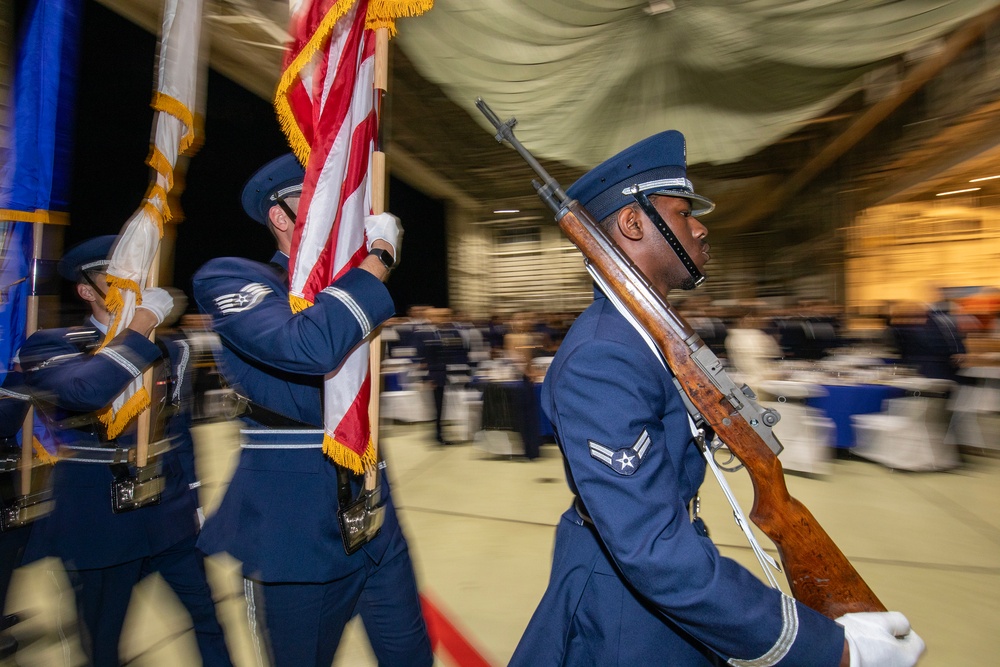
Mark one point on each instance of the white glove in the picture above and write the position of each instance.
(166, 305)
(881, 639)
(384, 226)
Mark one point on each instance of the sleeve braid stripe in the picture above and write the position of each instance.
(119, 359)
(181, 369)
(789, 631)
(352, 305)
(13, 394)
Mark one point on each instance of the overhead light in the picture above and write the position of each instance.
(955, 192)
(984, 178)
(507, 210)
(660, 7)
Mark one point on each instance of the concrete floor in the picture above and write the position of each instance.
(481, 529)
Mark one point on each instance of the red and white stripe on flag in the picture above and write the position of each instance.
(325, 102)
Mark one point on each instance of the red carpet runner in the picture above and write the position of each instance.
(446, 637)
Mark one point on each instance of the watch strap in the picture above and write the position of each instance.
(384, 256)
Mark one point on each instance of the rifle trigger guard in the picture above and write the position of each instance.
(714, 447)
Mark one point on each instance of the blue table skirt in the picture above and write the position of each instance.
(843, 401)
(515, 406)
(394, 381)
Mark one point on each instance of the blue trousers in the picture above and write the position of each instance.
(300, 625)
(103, 594)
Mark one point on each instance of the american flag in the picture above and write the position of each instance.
(326, 104)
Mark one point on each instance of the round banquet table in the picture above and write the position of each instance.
(844, 400)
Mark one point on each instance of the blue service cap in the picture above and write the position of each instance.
(278, 179)
(91, 255)
(657, 164)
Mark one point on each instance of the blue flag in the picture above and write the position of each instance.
(35, 167)
(15, 262)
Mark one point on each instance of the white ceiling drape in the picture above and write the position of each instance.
(586, 78)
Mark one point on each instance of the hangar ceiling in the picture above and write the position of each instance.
(895, 152)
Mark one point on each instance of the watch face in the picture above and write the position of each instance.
(384, 256)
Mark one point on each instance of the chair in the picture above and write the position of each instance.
(975, 407)
(805, 433)
(462, 413)
(499, 443)
(909, 433)
(404, 400)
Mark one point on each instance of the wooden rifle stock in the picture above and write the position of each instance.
(818, 573)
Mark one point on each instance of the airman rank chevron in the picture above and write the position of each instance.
(624, 461)
(245, 299)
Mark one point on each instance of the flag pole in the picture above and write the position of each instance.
(379, 178)
(144, 423)
(31, 326)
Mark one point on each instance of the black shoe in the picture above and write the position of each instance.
(8, 645)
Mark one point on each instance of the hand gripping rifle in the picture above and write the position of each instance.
(818, 573)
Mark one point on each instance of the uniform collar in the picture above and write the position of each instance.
(281, 259)
(103, 328)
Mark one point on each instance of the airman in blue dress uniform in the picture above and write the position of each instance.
(279, 514)
(107, 553)
(634, 580)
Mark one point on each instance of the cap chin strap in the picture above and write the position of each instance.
(286, 208)
(90, 281)
(281, 195)
(647, 207)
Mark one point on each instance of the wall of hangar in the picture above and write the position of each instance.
(500, 267)
(897, 252)
(905, 252)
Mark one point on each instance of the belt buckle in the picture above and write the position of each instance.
(141, 489)
(361, 520)
(25, 509)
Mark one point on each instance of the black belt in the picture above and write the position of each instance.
(578, 506)
(264, 416)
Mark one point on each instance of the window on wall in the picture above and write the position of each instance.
(535, 268)
(516, 261)
(518, 235)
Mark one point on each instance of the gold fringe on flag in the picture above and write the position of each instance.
(298, 303)
(179, 110)
(346, 457)
(41, 454)
(156, 191)
(161, 164)
(286, 119)
(116, 423)
(114, 302)
(383, 13)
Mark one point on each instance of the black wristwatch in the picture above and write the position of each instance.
(384, 256)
